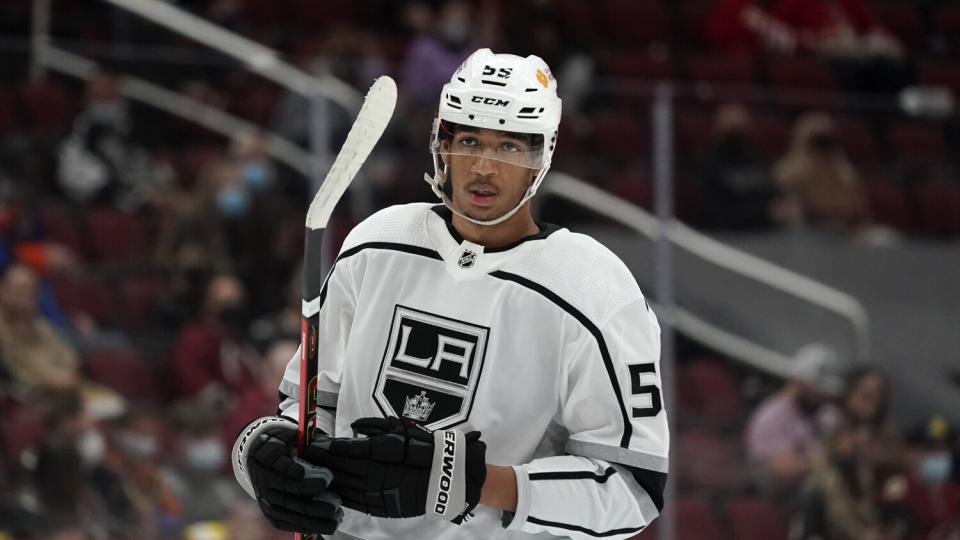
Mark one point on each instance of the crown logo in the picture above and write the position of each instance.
(542, 78)
(418, 407)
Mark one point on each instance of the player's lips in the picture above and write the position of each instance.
(482, 195)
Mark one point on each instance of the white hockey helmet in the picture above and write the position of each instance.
(502, 92)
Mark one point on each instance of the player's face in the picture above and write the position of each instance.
(482, 166)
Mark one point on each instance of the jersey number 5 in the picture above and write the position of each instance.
(638, 389)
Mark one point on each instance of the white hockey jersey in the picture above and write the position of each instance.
(547, 347)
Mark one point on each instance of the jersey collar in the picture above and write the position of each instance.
(464, 259)
(546, 229)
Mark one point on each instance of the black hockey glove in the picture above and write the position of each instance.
(401, 470)
(292, 493)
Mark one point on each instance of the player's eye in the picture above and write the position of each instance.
(510, 147)
(468, 141)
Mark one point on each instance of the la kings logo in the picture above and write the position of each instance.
(430, 368)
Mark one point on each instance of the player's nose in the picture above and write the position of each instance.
(484, 166)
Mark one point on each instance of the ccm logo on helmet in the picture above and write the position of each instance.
(497, 102)
(449, 453)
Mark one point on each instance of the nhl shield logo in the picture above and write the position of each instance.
(467, 258)
(430, 368)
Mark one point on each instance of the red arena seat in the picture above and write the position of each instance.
(917, 142)
(117, 236)
(697, 520)
(888, 205)
(126, 372)
(709, 393)
(753, 518)
(708, 462)
(939, 207)
(631, 24)
(723, 68)
(48, 105)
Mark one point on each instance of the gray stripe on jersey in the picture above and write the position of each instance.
(616, 454)
(327, 399)
(647, 507)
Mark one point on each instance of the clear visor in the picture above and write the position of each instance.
(523, 149)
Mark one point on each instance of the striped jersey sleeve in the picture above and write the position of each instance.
(610, 483)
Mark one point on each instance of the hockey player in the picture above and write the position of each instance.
(482, 375)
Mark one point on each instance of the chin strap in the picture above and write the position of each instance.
(436, 184)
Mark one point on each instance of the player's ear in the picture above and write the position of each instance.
(444, 150)
(533, 176)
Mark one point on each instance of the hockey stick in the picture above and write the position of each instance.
(364, 134)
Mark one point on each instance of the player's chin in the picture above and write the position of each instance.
(483, 214)
(481, 210)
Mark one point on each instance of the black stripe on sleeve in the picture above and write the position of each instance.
(584, 530)
(574, 475)
(652, 482)
(593, 329)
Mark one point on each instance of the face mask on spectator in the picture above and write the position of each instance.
(935, 468)
(233, 201)
(138, 445)
(111, 114)
(455, 33)
(236, 317)
(91, 447)
(257, 175)
(733, 143)
(809, 403)
(205, 455)
(823, 142)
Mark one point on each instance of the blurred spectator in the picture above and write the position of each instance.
(737, 182)
(211, 355)
(25, 234)
(864, 404)
(261, 398)
(76, 480)
(32, 353)
(348, 53)
(142, 493)
(837, 28)
(865, 56)
(249, 151)
(234, 221)
(284, 323)
(435, 54)
(816, 174)
(783, 434)
(99, 161)
(840, 495)
(536, 28)
(202, 457)
(60, 477)
(744, 26)
(189, 272)
(34, 357)
(245, 522)
(926, 496)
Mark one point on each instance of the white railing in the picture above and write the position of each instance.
(281, 149)
(760, 270)
(258, 58)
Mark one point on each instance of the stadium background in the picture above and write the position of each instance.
(150, 287)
